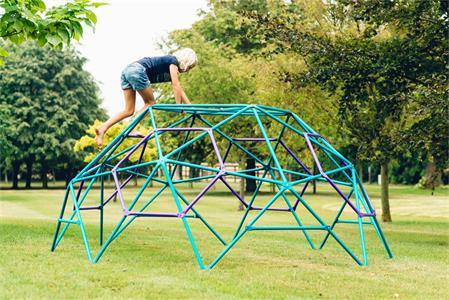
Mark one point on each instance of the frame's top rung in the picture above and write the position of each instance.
(218, 109)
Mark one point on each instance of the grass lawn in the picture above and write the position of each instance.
(153, 258)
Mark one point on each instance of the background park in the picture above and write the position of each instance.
(370, 76)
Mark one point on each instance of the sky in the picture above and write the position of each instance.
(126, 31)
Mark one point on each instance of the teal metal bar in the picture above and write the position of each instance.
(219, 115)
(251, 223)
(208, 226)
(295, 215)
(184, 220)
(80, 220)
(304, 228)
(231, 140)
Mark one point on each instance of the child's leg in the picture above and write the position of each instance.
(147, 96)
(130, 103)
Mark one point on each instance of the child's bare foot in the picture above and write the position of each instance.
(99, 132)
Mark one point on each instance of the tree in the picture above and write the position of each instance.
(51, 100)
(266, 73)
(23, 20)
(217, 79)
(376, 56)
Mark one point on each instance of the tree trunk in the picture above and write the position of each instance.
(360, 170)
(15, 174)
(369, 174)
(191, 175)
(314, 181)
(386, 215)
(242, 184)
(29, 165)
(44, 171)
(432, 177)
(68, 176)
(250, 183)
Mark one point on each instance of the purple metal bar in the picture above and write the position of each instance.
(303, 166)
(273, 209)
(227, 152)
(121, 186)
(142, 214)
(200, 195)
(251, 139)
(328, 179)
(234, 192)
(144, 140)
(135, 135)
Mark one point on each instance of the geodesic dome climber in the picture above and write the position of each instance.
(284, 162)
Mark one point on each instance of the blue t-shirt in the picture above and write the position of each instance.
(158, 67)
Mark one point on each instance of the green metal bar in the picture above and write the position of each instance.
(334, 235)
(149, 163)
(184, 220)
(68, 221)
(154, 197)
(382, 236)
(252, 177)
(80, 220)
(211, 229)
(250, 203)
(346, 248)
(64, 229)
(314, 177)
(353, 222)
(259, 185)
(318, 179)
(337, 216)
(304, 228)
(251, 223)
(58, 224)
(334, 222)
(114, 142)
(186, 137)
(91, 176)
(360, 221)
(143, 187)
(200, 136)
(295, 215)
(229, 139)
(194, 179)
(101, 209)
(183, 163)
(338, 165)
(109, 240)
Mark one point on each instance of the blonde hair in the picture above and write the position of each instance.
(186, 58)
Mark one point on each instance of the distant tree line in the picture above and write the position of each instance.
(47, 101)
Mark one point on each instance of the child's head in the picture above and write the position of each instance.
(186, 58)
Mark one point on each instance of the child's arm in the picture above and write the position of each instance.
(179, 94)
(184, 98)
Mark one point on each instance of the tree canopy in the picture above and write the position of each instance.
(49, 99)
(23, 20)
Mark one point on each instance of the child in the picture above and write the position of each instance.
(138, 76)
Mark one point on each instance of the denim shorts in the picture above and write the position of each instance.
(134, 77)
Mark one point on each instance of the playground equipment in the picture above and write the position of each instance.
(286, 161)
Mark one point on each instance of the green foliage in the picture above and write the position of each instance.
(237, 65)
(379, 58)
(88, 148)
(24, 20)
(49, 99)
